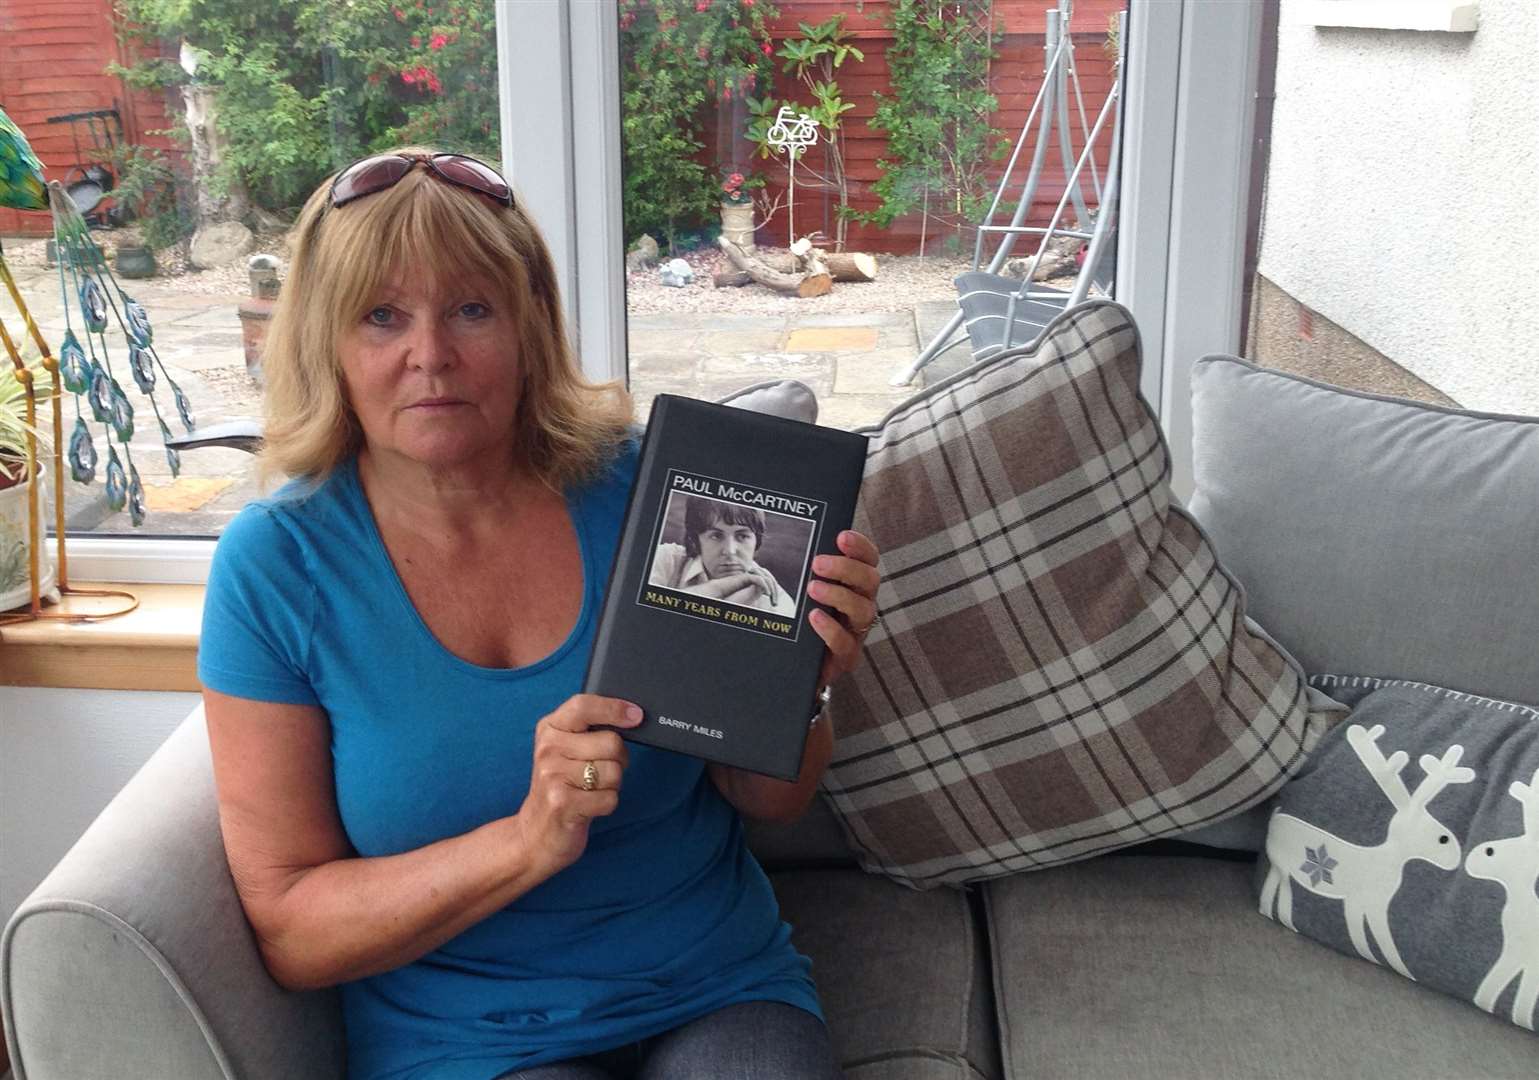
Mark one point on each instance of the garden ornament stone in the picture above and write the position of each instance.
(223, 243)
(642, 254)
(677, 273)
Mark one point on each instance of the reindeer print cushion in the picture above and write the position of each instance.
(1411, 839)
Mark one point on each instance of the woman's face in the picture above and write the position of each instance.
(431, 371)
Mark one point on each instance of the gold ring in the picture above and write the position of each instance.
(862, 631)
(589, 776)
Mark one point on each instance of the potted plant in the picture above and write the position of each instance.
(16, 532)
(737, 223)
(135, 258)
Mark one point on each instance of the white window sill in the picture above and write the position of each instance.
(1446, 16)
(164, 561)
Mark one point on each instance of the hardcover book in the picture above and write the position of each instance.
(705, 622)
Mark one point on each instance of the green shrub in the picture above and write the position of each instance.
(678, 60)
(939, 140)
(305, 86)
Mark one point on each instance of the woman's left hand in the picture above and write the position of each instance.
(848, 585)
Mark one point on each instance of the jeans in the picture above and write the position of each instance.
(755, 1040)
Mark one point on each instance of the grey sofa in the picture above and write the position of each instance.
(133, 958)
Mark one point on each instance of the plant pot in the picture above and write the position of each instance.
(15, 548)
(135, 262)
(737, 224)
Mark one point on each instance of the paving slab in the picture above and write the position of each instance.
(727, 342)
(708, 320)
(869, 374)
(167, 301)
(639, 341)
(931, 316)
(832, 339)
(222, 317)
(679, 365)
(770, 365)
(214, 339)
(868, 318)
(203, 358)
(898, 337)
(185, 494)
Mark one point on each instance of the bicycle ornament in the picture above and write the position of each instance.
(794, 132)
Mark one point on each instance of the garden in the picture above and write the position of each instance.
(776, 161)
(296, 88)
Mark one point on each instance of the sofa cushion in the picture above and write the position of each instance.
(1373, 534)
(903, 977)
(1136, 967)
(777, 397)
(1061, 667)
(1428, 868)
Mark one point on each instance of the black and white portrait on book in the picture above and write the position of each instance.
(732, 552)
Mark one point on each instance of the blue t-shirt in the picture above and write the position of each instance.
(665, 917)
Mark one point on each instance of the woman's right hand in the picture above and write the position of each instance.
(556, 813)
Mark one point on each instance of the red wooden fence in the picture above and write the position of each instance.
(1015, 77)
(53, 61)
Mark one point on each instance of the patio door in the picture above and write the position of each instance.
(651, 110)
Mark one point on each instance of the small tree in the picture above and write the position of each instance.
(304, 86)
(814, 58)
(939, 140)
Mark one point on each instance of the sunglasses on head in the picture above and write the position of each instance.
(372, 175)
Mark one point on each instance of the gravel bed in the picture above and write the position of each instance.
(176, 274)
(901, 282)
(173, 273)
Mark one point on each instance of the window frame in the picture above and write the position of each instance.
(1188, 131)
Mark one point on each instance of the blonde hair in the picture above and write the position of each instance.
(568, 427)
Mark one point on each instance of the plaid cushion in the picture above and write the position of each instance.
(1062, 667)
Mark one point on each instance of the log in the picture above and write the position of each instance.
(845, 266)
(851, 265)
(803, 285)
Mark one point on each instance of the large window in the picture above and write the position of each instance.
(197, 130)
(616, 120)
(876, 140)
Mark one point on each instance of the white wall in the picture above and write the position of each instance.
(1402, 200)
(63, 755)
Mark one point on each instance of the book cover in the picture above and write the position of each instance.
(705, 620)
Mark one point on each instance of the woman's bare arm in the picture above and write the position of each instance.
(324, 915)
(768, 799)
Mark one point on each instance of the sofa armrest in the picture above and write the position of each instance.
(134, 957)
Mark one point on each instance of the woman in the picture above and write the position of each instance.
(416, 803)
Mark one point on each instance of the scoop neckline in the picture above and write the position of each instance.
(574, 509)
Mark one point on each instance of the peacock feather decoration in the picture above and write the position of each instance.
(93, 296)
(108, 319)
(21, 174)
